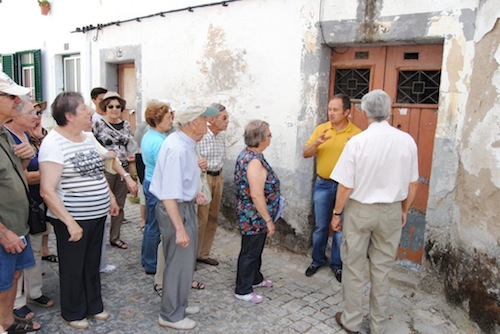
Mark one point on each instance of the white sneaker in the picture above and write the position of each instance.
(109, 268)
(103, 316)
(192, 310)
(251, 297)
(185, 323)
(79, 324)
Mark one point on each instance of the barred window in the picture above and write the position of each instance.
(352, 82)
(418, 87)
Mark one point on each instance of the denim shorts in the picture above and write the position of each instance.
(10, 263)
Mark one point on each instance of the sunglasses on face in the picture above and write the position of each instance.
(39, 113)
(111, 106)
(12, 97)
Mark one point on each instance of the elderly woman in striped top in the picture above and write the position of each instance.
(78, 197)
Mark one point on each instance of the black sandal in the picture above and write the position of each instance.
(42, 301)
(22, 313)
(158, 289)
(197, 285)
(50, 258)
(119, 244)
(20, 326)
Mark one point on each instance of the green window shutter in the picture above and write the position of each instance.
(37, 55)
(9, 66)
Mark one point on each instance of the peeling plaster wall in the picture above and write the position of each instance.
(262, 59)
(463, 230)
(271, 60)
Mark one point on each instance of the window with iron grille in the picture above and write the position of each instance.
(420, 87)
(352, 82)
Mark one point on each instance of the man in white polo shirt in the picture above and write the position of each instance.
(378, 177)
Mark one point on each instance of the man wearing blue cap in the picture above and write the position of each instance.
(175, 183)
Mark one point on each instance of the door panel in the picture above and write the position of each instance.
(128, 91)
(411, 76)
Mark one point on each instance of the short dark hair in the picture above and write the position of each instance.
(346, 101)
(97, 91)
(66, 102)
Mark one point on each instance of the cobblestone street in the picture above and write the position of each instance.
(296, 303)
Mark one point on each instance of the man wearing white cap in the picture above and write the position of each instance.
(175, 183)
(15, 250)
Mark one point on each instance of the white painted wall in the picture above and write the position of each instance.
(247, 56)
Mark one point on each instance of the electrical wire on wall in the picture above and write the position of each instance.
(321, 22)
(101, 26)
(322, 31)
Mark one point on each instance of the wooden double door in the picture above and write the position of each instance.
(411, 76)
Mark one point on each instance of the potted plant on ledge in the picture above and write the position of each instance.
(44, 6)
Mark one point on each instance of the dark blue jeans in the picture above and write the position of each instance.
(151, 237)
(324, 195)
(249, 263)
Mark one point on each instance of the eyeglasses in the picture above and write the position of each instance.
(39, 113)
(12, 97)
(111, 106)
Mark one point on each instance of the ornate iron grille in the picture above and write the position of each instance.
(352, 82)
(418, 87)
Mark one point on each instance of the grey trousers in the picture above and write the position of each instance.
(179, 262)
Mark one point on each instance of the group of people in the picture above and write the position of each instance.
(366, 182)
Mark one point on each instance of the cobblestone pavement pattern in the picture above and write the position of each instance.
(296, 303)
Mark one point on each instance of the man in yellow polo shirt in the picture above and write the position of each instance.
(327, 142)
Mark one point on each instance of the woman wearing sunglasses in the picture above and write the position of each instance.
(115, 135)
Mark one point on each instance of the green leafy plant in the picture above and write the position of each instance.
(44, 3)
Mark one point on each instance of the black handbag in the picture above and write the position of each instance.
(37, 218)
(141, 168)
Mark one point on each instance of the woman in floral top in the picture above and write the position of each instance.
(115, 134)
(257, 195)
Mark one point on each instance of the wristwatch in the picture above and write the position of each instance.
(125, 175)
(337, 213)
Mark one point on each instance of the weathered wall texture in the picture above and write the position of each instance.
(466, 251)
(463, 230)
(271, 60)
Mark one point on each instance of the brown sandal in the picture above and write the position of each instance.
(119, 244)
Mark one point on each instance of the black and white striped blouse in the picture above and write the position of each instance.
(82, 186)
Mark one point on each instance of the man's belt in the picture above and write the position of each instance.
(328, 180)
(216, 173)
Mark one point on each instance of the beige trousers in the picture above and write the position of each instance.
(372, 230)
(160, 264)
(208, 217)
(31, 280)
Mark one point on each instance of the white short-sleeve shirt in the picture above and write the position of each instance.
(378, 164)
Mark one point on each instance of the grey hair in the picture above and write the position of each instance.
(218, 106)
(255, 132)
(377, 105)
(24, 99)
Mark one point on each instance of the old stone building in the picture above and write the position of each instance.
(280, 60)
